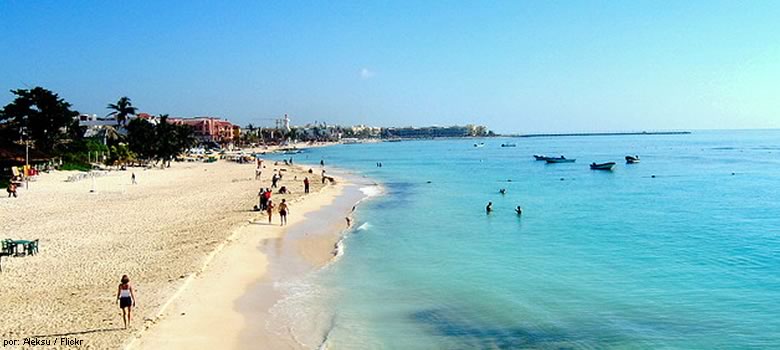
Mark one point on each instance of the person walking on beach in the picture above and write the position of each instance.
(306, 185)
(258, 173)
(263, 200)
(269, 208)
(11, 190)
(132, 178)
(126, 299)
(323, 176)
(489, 207)
(284, 209)
(274, 180)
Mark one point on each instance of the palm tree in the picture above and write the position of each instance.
(111, 135)
(121, 109)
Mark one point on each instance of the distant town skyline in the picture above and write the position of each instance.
(515, 67)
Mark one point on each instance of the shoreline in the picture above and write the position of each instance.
(239, 287)
(161, 232)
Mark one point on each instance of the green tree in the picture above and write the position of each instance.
(184, 138)
(120, 155)
(121, 110)
(110, 135)
(172, 140)
(43, 116)
(142, 138)
(292, 135)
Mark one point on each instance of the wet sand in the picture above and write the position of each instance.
(229, 305)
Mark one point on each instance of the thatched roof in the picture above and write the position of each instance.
(15, 154)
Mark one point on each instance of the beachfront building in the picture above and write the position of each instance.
(286, 123)
(319, 132)
(363, 132)
(211, 129)
(146, 116)
(436, 131)
(427, 132)
(92, 120)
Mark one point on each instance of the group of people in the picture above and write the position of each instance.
(489, 207)
(267, 205)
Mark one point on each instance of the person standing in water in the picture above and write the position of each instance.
(284, 209)
(519, 210)
(126, 299)
(322, 162)
(489, 207)
(269, 208)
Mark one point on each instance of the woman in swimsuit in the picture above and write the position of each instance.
(283, 210)
(269, 208)
(125, 298)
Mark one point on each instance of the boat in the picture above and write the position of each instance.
(632, 159)
(481, 144)
(602, 166)
(393, 140)
(508, 145)
(561, 159)
(538, 157)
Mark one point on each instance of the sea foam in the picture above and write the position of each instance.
(371, 191)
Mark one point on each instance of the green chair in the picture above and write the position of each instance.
(32, 248)
(5, 250)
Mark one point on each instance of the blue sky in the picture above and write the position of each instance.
(515, 66)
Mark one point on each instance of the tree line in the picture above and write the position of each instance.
(47, 123)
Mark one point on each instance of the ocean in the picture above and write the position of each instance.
(680, 251)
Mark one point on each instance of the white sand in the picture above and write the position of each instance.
(206, 316)
(159, 232)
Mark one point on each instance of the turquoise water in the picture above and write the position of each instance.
(688, 259)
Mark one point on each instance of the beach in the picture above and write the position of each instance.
(185, 235)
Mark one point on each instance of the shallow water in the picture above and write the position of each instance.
(688, 259)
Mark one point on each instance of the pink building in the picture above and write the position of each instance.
(209, 129)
